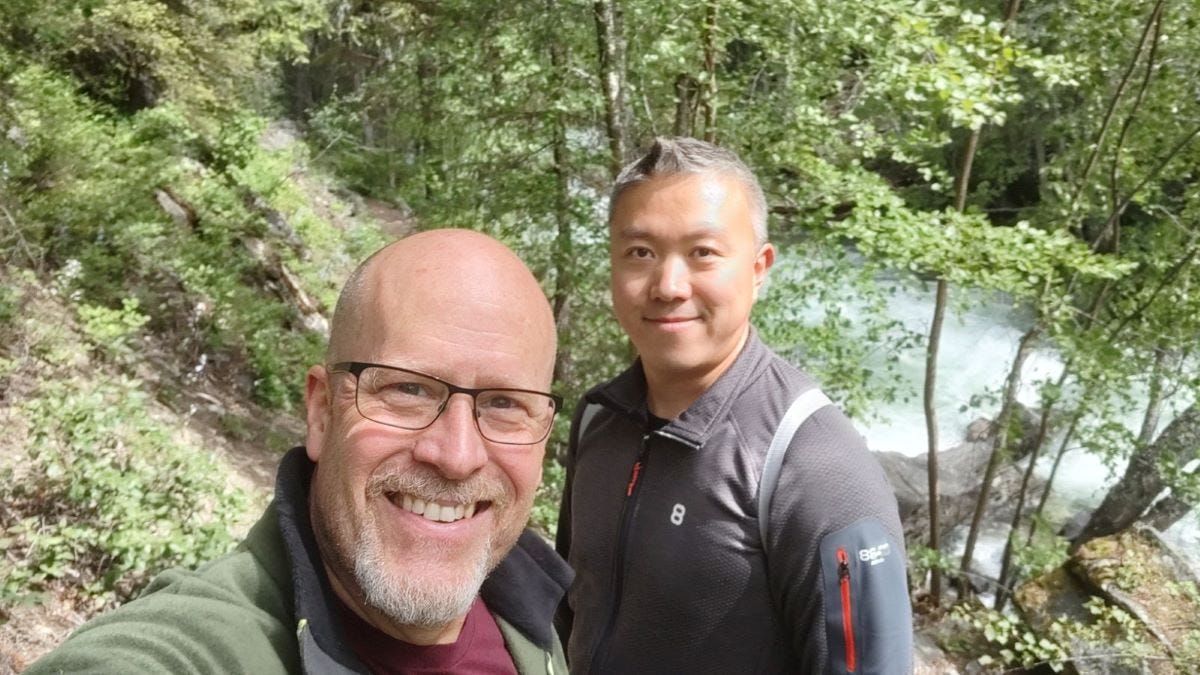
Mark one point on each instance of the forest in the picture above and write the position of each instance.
(185, 184)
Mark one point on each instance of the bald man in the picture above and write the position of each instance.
(396, 541)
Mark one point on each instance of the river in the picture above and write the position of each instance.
(979, 341)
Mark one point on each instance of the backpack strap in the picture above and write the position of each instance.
(801, 409)
(585, 418)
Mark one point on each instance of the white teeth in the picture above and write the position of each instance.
(439, 513)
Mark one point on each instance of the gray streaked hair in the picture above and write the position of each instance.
(679, 154)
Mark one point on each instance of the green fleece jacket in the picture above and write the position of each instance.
(266, 608)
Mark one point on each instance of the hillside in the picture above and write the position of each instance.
(128, 440)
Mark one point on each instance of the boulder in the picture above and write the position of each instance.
(960, 470)
(1134, 570)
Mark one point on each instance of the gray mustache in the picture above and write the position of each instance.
(426, 484)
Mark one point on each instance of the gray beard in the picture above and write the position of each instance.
(430, 597)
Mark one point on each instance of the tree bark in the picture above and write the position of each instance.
(1006, 557)
(710, 71)
(1143, 481)
(611, 49)
(931, 430)
(962, 183)
(1001, 447)
(686, 89)
(1062, 451)
(563, 244)
(1167, 511)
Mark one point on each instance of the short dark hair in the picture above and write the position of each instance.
(674, 155)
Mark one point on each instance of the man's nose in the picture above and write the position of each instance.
(671, 281)
(452, 444)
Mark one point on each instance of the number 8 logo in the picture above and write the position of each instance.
(677, 514)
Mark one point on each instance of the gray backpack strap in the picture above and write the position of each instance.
(589, 411)
(801, 409)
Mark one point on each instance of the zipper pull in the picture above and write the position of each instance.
(637, 469)
(843, 565)
(637, 466)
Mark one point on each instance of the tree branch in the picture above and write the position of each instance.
(1112, 104)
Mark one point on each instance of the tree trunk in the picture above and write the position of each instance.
(1155, 402)
(1006, 557)
(998, 451)
(1168, 511)
(931, 430)
(563, 243)
(611, 49)
(710, 71)
(1098, 143)
(686, 89)
(1143, 481)
(962, 184)
(426, 79)
(1062, 450)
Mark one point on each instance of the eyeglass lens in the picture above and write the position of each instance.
(412, 401)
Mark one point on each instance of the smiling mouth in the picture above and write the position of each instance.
(437, 512)
(672, 319)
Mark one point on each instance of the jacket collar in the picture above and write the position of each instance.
(524, 589)
(626, 394)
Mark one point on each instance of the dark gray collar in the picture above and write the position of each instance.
(626, 394)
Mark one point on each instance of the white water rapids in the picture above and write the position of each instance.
(977, 348)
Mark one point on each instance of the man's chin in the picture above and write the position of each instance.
(425, 593)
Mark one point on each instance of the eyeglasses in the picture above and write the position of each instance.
(406, 399)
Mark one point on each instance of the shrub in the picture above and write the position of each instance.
(107, 497)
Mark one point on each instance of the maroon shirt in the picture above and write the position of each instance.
(479, 649)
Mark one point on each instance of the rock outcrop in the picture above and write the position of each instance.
(959, 473)
(1136, 595)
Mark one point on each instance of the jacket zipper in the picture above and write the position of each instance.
(601, 653)
(847, 613)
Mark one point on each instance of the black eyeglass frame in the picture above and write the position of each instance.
(356, 369)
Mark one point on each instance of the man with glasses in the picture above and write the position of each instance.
(396, 541)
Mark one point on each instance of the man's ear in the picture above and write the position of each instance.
(762, 263)
(317, 406)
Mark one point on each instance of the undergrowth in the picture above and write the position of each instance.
(106, 496)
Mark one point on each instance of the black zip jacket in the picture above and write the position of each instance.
(662, 530)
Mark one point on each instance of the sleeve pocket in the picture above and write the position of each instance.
(868, 619)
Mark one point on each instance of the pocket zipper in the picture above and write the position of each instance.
(847, 614)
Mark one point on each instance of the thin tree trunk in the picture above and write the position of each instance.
(426, 77)
(1155, 402)
(962, 184)
(685, 105)
(931, 430)
(710, 71)
(999, 449)
(564, 252)
(1006, 557)
(610, 43)
(1062, 450)
(1098, 143)
(1109, 238)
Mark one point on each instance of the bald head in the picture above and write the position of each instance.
(469, 282)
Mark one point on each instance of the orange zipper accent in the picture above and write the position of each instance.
(847, 614)
(637, 468)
